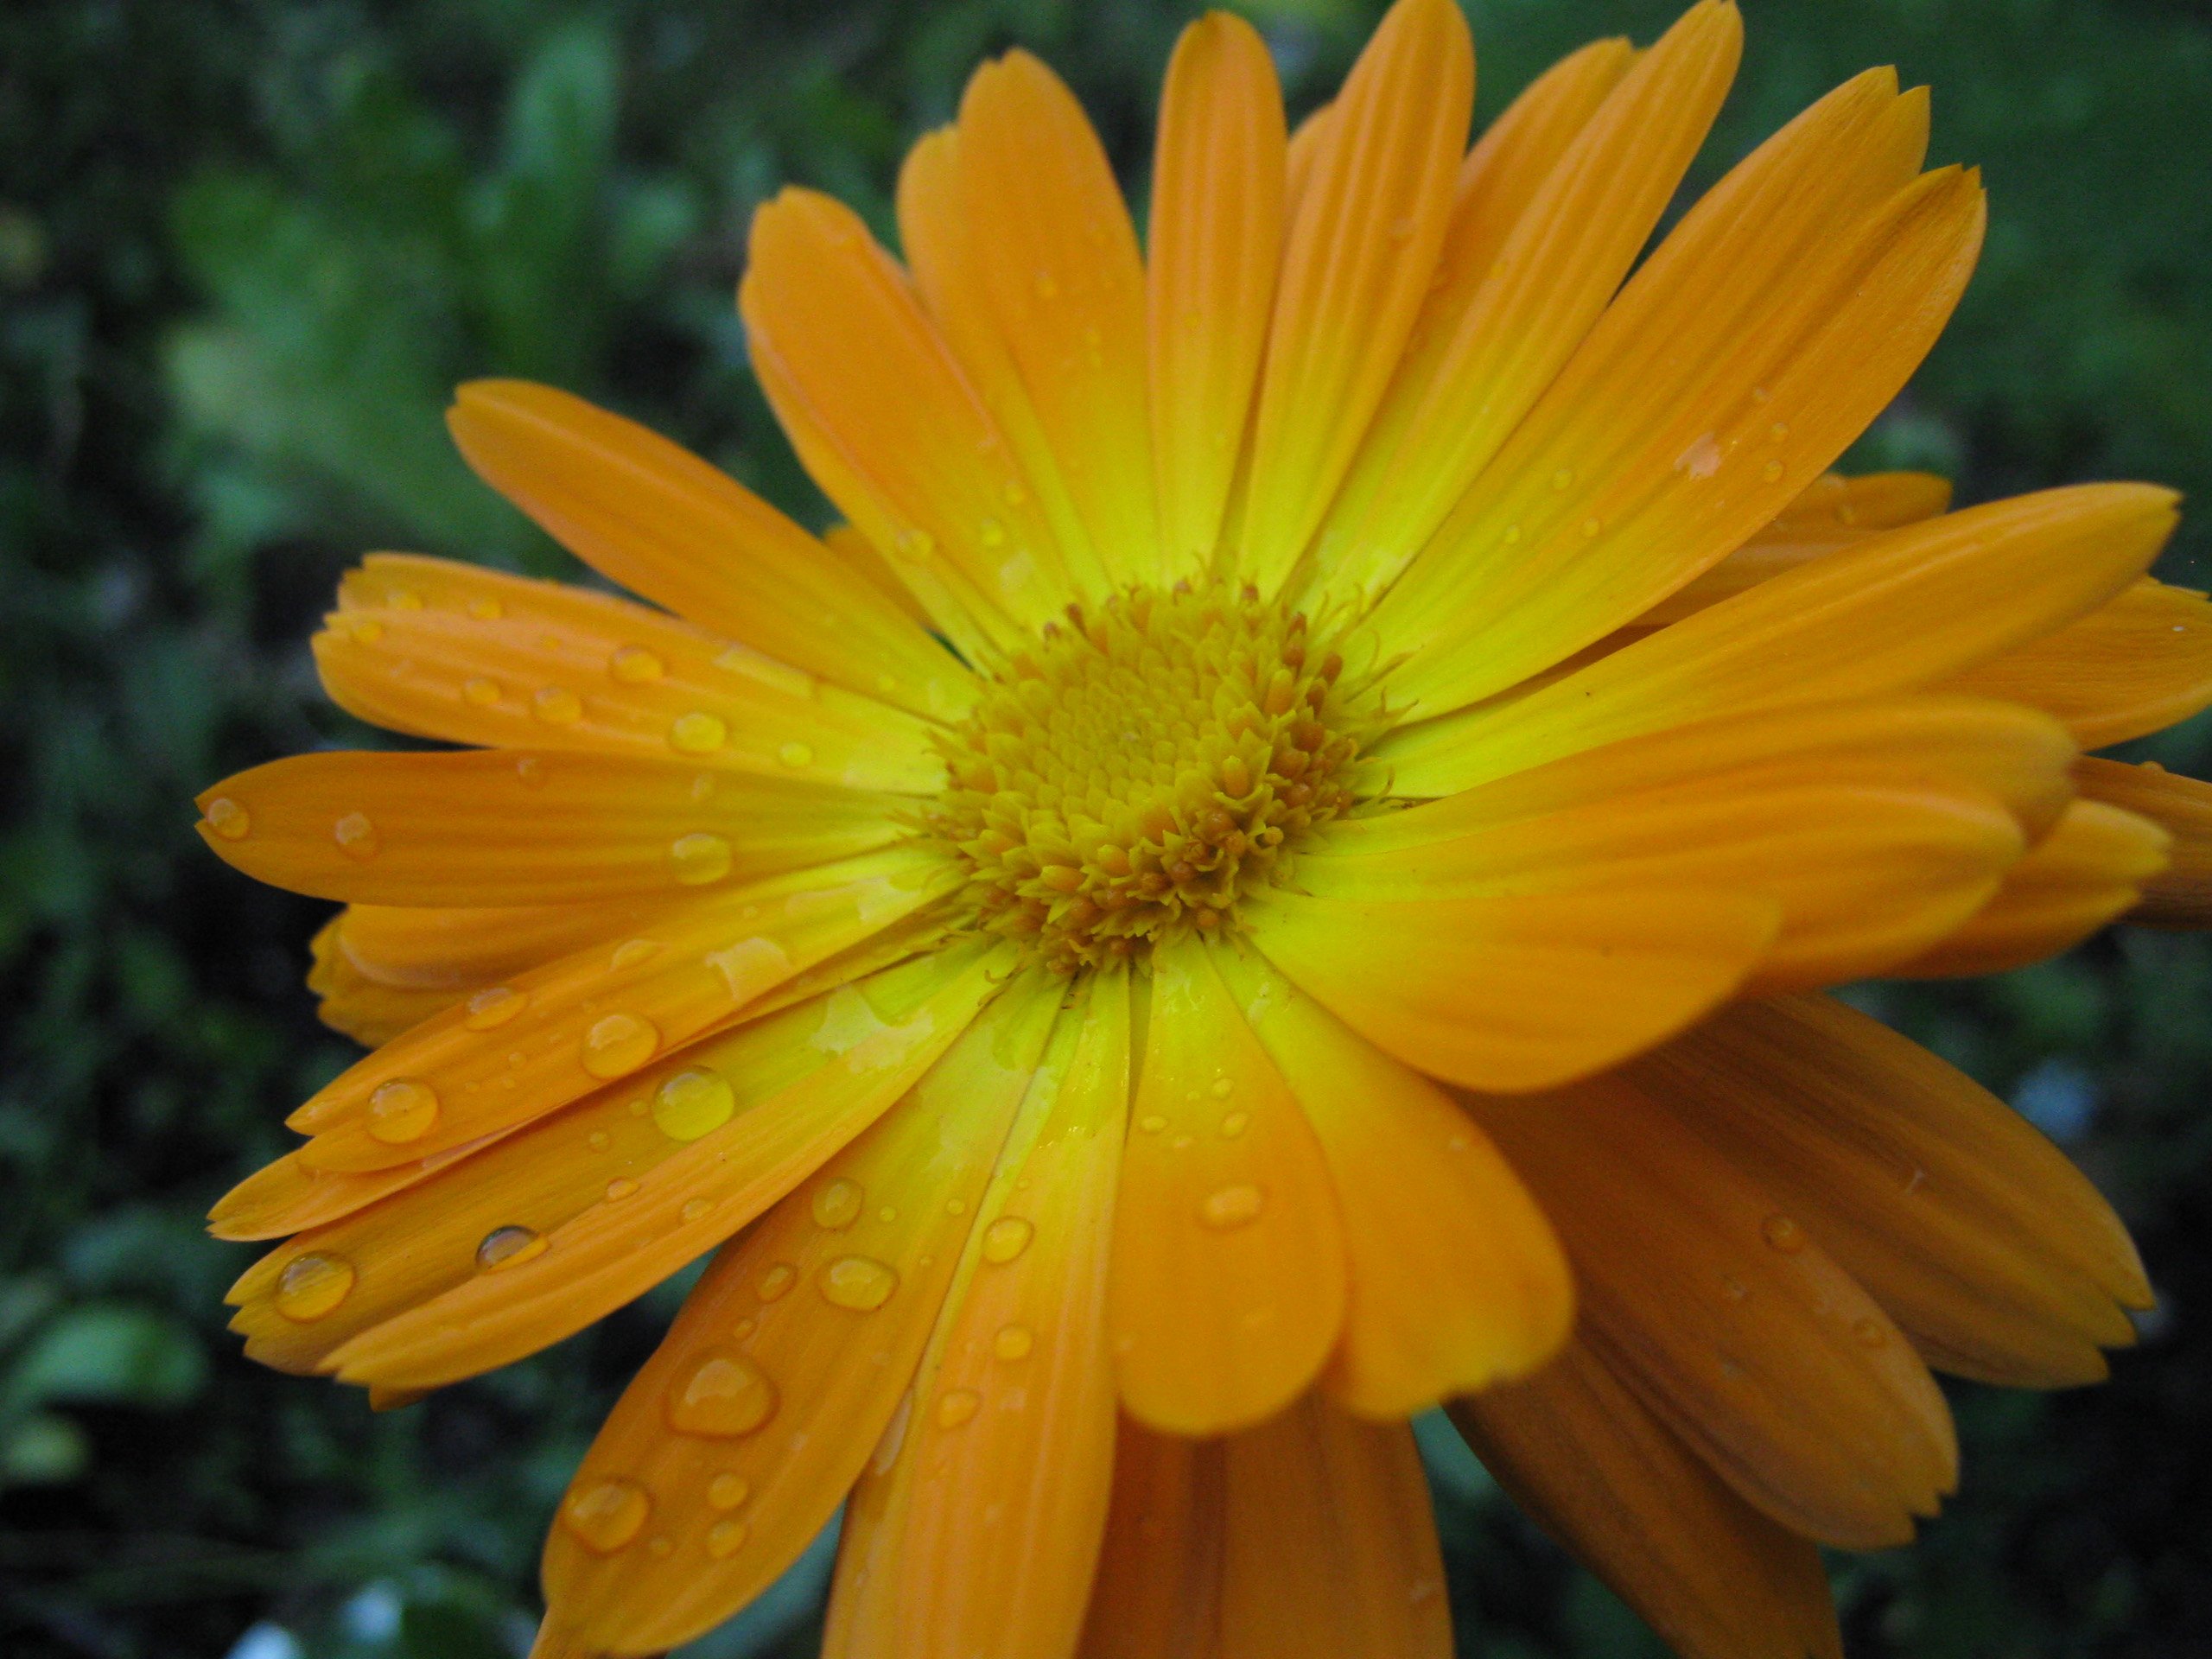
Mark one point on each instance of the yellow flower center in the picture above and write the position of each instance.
(1145, 766)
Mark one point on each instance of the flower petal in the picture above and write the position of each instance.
(1780, 317)
(667, 525)
(978, 1529)
(1732, 1325)
(1716, 1579)
(1909, 608)
(1519, 992)
(1227, 1284)
(470, 656)
(2181, 894)
(365, 1009)
(1455, 1279)
(1992, 1251)
(1157, 1591)
(1361, 249)
(1471, 374)
(760, 1408)
(1216, 244)
(495, 827)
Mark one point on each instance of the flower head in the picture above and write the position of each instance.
(1293, 840)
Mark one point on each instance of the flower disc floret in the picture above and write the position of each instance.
(1149, 762)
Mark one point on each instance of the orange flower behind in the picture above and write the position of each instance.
(1279, 872)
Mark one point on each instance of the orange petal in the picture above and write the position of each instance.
(1909, 608)
(1780, 318)
(447, 651)
(1227, 1283)
(1469, 377)
(366, 1010)
(1521, 992)
(1157, 1591)
(2181, 894)
(2132, 667)
(747, 1427)
(459, 950)
(1455, 1279)
(665, 524)
(1990, 1250)
(1361, 249)
(1729, 1323)
(1059, 266)
(891, 429)
(977, 1528)
(1216, 244)
(2089, 870)
(1330, 1550)
(494, 827)
(1715, 1578)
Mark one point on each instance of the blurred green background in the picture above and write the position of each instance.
(246, 246)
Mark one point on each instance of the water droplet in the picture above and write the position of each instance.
(631, 952)
(1771, 471)
(696, 1209)
(1231, 1207)
(726, 1538)
(693, 1103)
(597, 1140)
(1220, 1087)
(607, 1515)
(1152, 1123)
(635, 665)
(356, 836)
(1562, 478)
(859, 1282)
(698, 733)
(727, 1492)
(1013, 1342)
(619, 1042)
(1868, 1329)
(1778, 431)
(558, 706)
(312, 1285)
(700, 858)
(1006, 1237)
(993, 532)
(486, 610)
(1235, 1123)
(503, 1247)
(795, 755)
(723, 1395)
(492, 1007)
(837, 1204)
(532, 770)
(915, 543)
(956, 1406)
(1783, 1234)
(228, 819)
(620, 1188)
(401, 1110)
(776, 1282)
(481, 692)
(955, 1206)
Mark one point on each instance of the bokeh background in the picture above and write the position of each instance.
(247, 246)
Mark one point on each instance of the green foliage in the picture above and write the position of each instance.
(246, 249)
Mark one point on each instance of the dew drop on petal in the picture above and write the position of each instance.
(915, 543)
(532, 770)
(607, 1515)
(401, 1110)
(1220, 1087)
(1235, 1123)
(795, 755)
(228, 819)
(355, 835)
(698, 733)
(776, 1282)
(492, 1007)
(1783, 1234)
(481, 692)
(837, 1204)
(503, 1246)
(620, 1188)
(727, 1538)
(1230, 1207)
(558, 706)
(721, 1397)
(635, 665)
(619, 1042)
(700, 858)
(1013, 1342)
(631, 952)
(312, 1285)
(1771, 471)
(1007, 1238)
(694, 1101)
(696, 1209)
(1152, 1123)
(597, 1140)
(726, 1492)
(956, 1406)
(859, 1282)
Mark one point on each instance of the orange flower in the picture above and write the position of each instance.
(1298, 834)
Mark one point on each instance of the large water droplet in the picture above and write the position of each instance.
(635, 665)
(698, 733)
(558, 706)
(700, 858)
(619, 1188)
(722, 1397)
(727, 1538)
(607, 1515)
(859, 1282)
(837, 1204)
(312, 1285)
(1783, 1234)
(503, 1246)
(228, 819)
(492, 1007)
(401, 1110)
(1007, 1237)
(693, 1103)
(956, 1406)
(1220, 1087)
(355, 835)
(619, 1042)
(1231, 1206)
(726, 1492)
